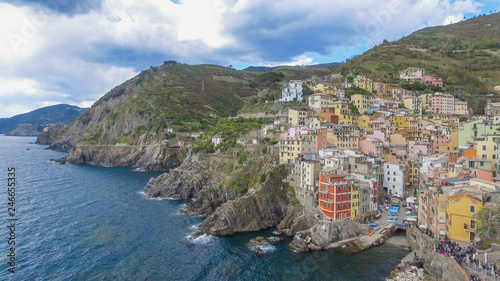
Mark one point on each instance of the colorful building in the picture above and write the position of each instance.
(461, 214)
(335, 195)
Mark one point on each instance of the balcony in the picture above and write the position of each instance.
(468, 228)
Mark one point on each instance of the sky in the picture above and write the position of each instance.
(74, 51)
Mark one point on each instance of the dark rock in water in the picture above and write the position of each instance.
(274, 239)
(324, 233)
(59, 161)
(259, 241)
(196, 234)
(257, 250)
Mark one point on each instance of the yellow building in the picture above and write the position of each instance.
(369, 123)
(364, 83)
(451, 145)
(461, 213)
(343, 111)
(401, 122)
(362, 102)
(355, 200)
(297, 117)
(486, 147)
(343, 140)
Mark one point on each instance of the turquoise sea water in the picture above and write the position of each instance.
(82, 222)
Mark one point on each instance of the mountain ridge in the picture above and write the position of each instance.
(33, 122)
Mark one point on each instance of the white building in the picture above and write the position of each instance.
(292, 91)
(309, 172)
(394, 179)
(411, 74)
(217, 139)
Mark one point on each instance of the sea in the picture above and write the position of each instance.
(84, 222)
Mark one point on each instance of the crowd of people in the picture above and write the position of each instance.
(468, 256)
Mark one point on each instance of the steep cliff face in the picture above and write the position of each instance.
(150, 109)
(294, 220)
(262, 207)
(49, 136)
(148, 158)
(185, 182)
(235, 195)
(24, 130)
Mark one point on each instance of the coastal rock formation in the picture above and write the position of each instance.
(262, 207)
(48, 136)
(294, 221)
(326, 233)
(147, 158)
(186, 181)
(24, 130)
(410, 273)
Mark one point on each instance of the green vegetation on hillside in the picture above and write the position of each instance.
(464, 54)
(231, 129)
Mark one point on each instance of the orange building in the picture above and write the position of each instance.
(470, 153)
(335, 196)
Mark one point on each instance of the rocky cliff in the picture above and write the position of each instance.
(148, 158)
(185, 182)
(48, 136)
(325, 234)
(24, 130)
(236, 194)
(148, 110)
(262, 207)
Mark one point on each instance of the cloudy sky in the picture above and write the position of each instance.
(74, 51)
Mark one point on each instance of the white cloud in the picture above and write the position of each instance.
(51, 56)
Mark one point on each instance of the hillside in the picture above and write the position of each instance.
(32, 123)
(298, 72)
(465, 54)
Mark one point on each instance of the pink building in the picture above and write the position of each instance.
(443, 104)
(417, 149)
(377, 134)
(437, 140)
(294, 132)
(433, 79)
(482, 174)
(371, 146)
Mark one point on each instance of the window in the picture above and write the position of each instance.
(481, 163)
(472, 224)
(472, 209)
(484, 147)
(393, 173)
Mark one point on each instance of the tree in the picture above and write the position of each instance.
(489, 227)
(353, 108)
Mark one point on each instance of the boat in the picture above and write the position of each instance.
(376, 228)
(370, 233)
(384, 231)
